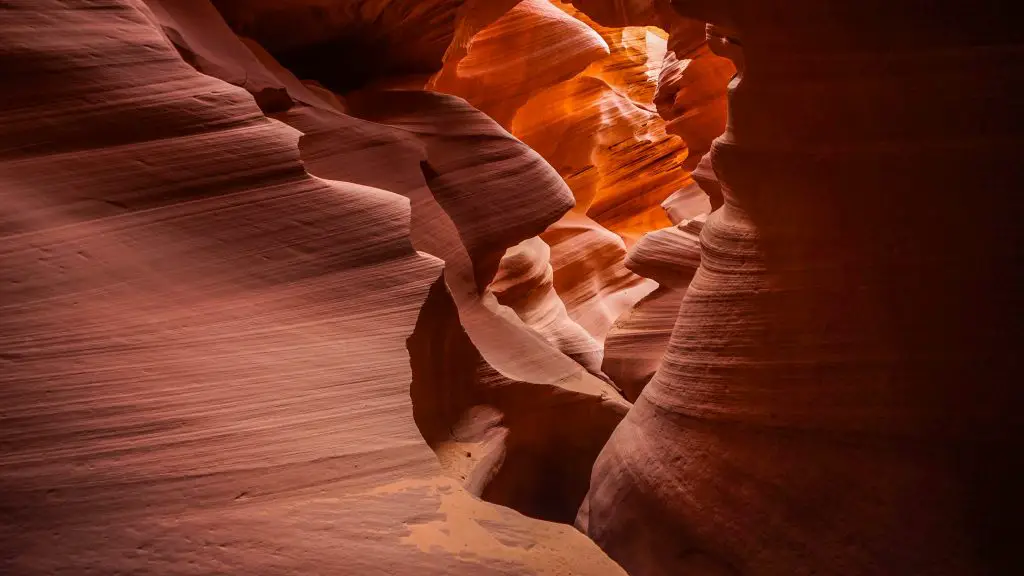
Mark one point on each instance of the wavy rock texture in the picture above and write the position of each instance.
(591, 115)
(228, 344)
(692, 80)
(608, 111)
(204, 346)
(468, 23)
(838, 395)
(467, 216)
(601, 130)
(475, 192)
(491, 206)
(540, 46)
(582, 96)
(637, 341)
(525, 283)
(692, 84)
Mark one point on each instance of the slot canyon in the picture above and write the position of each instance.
(502, 287)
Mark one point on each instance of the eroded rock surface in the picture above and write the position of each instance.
(637, 342)
(204, 345)
(330, 286)
(838, 396)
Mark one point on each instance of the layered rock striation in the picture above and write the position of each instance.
(321, 286)
(837, 395)
(206, 365)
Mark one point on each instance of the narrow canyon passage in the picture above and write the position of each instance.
(646, 287)
(517, 434)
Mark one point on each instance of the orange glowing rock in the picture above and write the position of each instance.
(583, 97)
(691, 94)
(534, 46)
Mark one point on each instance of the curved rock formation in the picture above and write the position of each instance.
(525, 283)
(692, 88)
(590, 274)
(582, 96)
(607, 113)
(637, 342)
(475, 191)
(838, 396)
(205, 366)
(533, 46)
(505, 363)
(269, 306)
